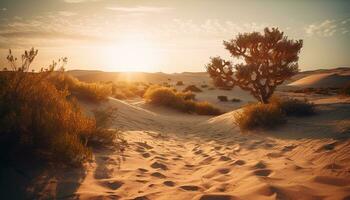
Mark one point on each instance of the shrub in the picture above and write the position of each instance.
(205, 108)
(222, 98)
(179, 83)
(259, 116)
(126, 90)
(204, 86)
(95, 92)
(177, 100)
(294, 107)
(36, 118)
(39, 120)
(235, 100)
(187, 95)
(192, 88)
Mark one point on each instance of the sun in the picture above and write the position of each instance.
(131, 54)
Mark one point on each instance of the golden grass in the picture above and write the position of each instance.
(169, 97)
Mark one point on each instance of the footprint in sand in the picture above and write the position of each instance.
(160, 158)
(157, 165)
(190, 187)
(260, 165)
(288, 148)
(112, 184)
(141, 198)
(224, 170)
(189, 165)
(239, 162)
(198, 152)
(224, 158)
(217, 197)
(169, 183)
(146, 155)
(142, 170)
(158, 175)
(262, 172)
(144, 145)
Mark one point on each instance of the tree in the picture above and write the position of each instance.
(269, 58)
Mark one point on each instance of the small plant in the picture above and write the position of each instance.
(294, 107)
(178, 100)
(192, 88)
(204, 86)
(235, 100)
(179, 83)
(259, 115)
(187, 95)
(223, 98)
(205, 108)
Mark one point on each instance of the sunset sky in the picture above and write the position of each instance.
(167, 36)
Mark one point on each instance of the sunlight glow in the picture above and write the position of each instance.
(131, 54)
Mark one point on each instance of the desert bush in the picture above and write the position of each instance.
(187, 95)
(126, 90)
(95, 92)
(192, 88)
(179, 83)
(38, 120)
(222, 98)
(236, 100)
(204, 86)
(294, 107)
(177, 100)
(259, 115)
(205, 108)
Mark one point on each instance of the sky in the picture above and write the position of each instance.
(167, 36)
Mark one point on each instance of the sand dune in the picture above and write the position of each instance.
(324, 80)
(177, 156)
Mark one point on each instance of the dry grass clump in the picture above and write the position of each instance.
(39, 120)
(259, 116)
(95, 92)
(192, 88)
(272, 114)
(236, 100)
(179, 83)
(294, 107)
(128, 90)
(178, 100)
(223, 98)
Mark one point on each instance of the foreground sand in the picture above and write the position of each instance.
(177, 156)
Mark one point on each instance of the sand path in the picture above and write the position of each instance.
(174, 157)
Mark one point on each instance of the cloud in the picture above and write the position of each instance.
(45, 35)
(328, 28)
(139, 9)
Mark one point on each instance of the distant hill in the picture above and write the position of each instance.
(203, 77)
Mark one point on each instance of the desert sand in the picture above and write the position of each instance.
(177, 156)
(172, 155)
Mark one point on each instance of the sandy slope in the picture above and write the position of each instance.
(178, 156)
(324, 80)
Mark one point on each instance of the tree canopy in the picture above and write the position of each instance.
(267, 60)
